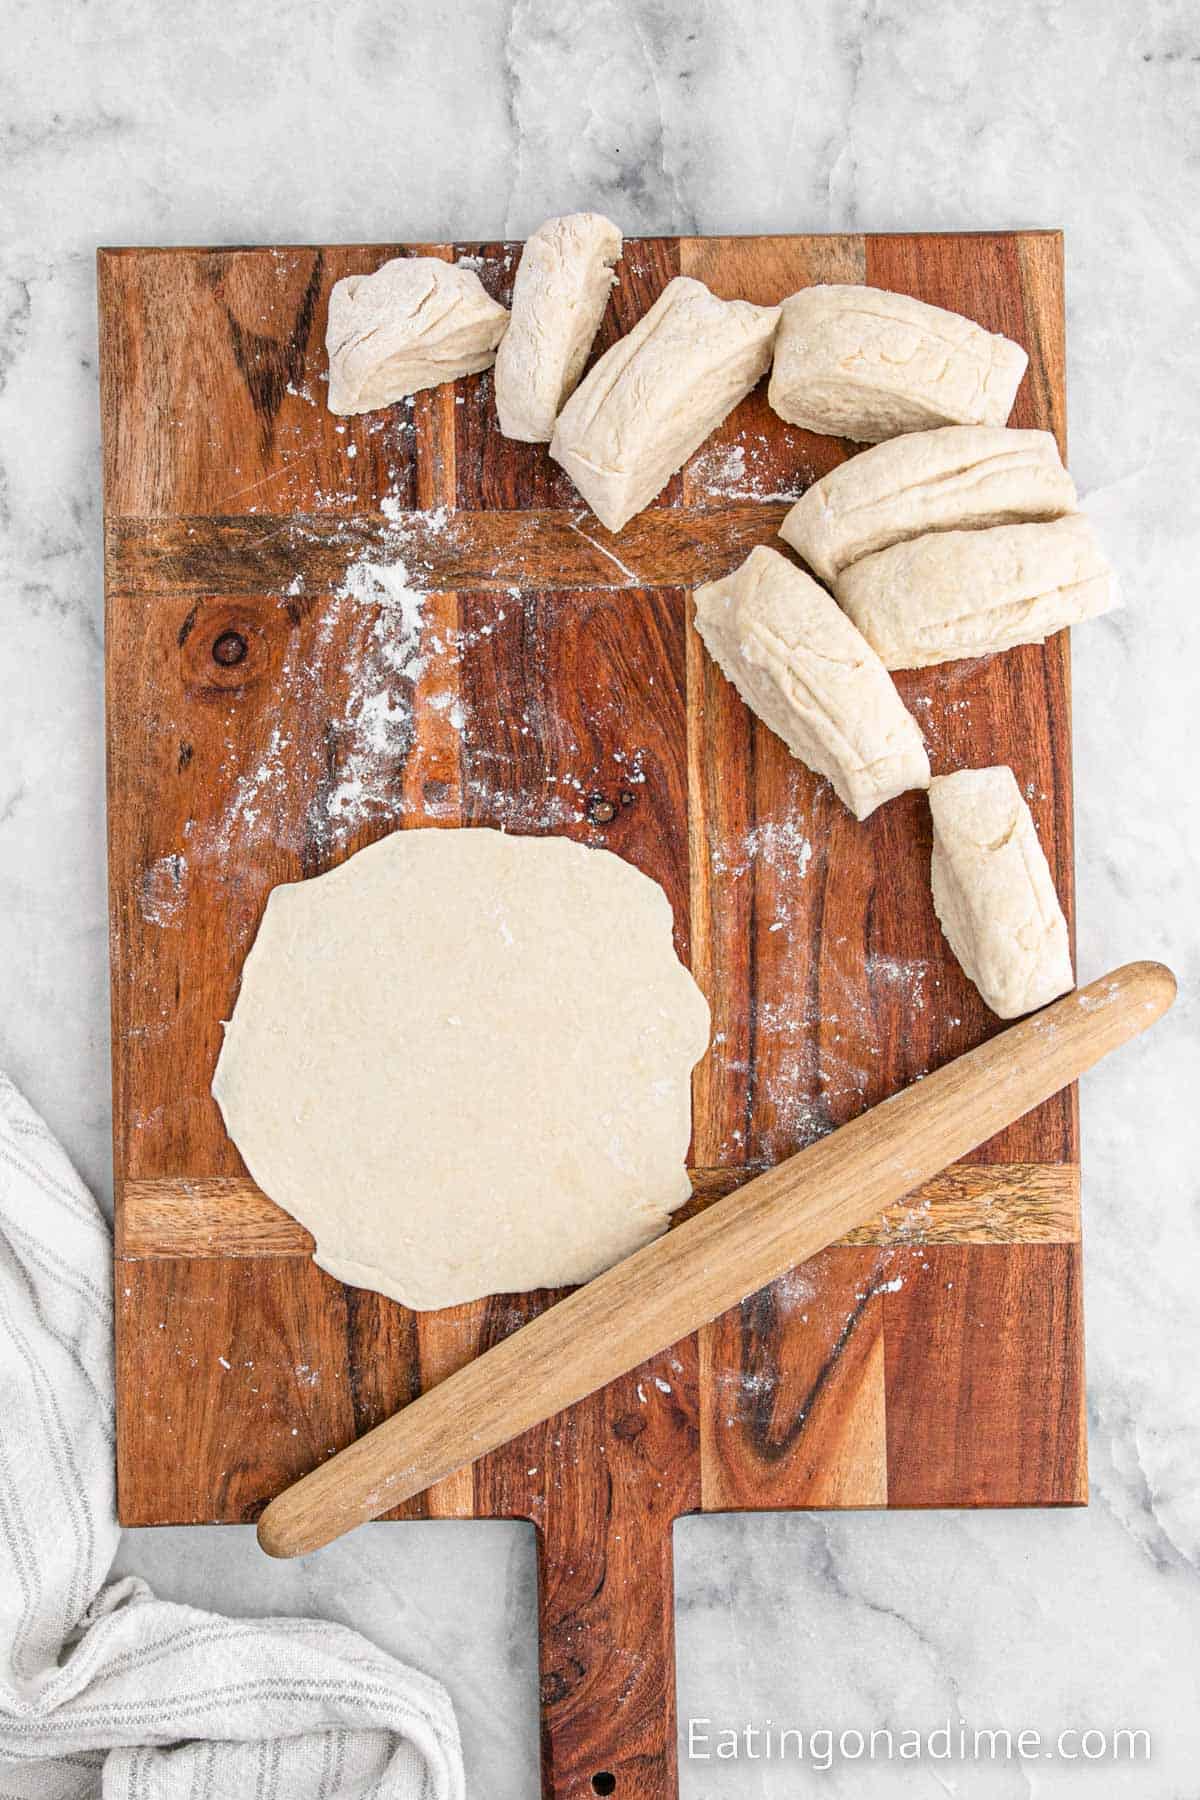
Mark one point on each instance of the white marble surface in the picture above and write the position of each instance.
(155, 121)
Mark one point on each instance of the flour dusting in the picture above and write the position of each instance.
(377, 727)
(908, 975)
(246, 804)
(780, 843)
(743, 471)
(377, 724)
(162, 891)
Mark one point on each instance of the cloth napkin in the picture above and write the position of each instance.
(106, 1691)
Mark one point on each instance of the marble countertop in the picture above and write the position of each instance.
(371, 120)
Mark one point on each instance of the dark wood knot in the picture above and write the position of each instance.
(553, 1687)
(599, 810)
(229, 649)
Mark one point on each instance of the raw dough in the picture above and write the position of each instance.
(415, 322)
(969, 593)
(993, 892)
(863, 363)
(954, 477)
(804, 669)
(462, 1060)
(655, 396)
(558, 301)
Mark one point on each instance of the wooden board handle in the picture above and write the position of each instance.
(607, 1675)
(676, 1284)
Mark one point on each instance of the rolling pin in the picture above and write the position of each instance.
(679, 1282)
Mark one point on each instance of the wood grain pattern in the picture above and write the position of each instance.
(1009, 1395)
(243, 1362)
(236, 504)
(794, 1391)
(488, 552)
(1015, 1203)
(626, 1466)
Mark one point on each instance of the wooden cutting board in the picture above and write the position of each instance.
(267, 716)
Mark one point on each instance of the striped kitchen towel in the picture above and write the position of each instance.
(106, 1691)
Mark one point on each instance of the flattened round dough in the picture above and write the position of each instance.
(462, 1060)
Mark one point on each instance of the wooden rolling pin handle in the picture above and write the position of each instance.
(676, 1284)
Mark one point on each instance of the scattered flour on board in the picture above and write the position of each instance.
(781, 843)
(409, 660)
(376, 726)
(743, 471)
(907, 974)
(249, 813)
(163, 890)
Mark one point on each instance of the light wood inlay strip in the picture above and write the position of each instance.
(968, 1203)
(985, 1203)
(442, 551)
(971, 1203)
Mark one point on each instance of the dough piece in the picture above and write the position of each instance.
(798, 662)
(993, 893)
(558, 300)
(655, 396)
(970, 593)
(462, 1060)
(958, 476)
(415, 322)
(862, 363)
